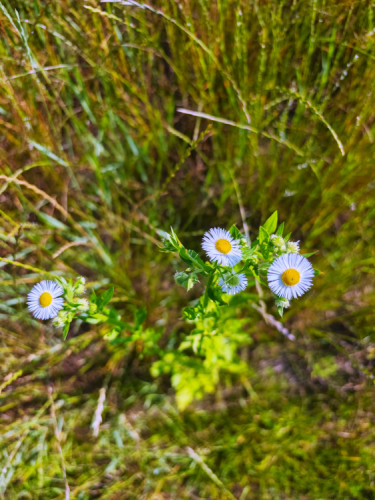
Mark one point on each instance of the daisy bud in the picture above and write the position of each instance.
(281, 302)
(80, 285)
(278, 242)
(83, 305)
(60, 320)
(292, 247)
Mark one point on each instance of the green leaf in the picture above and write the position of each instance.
(191, 257)
(280, 229)
(307, 255)
(66, 330)
(196, 259)
(190, 313)
(96, 318)
(247, 252)
(103, 299)
(280, 310)
(286, 238)
(175, 239)
(216, 295)
(49, 153)
(51, 221)
(316, 272)
(263, 235)
(271, 223)
(186, 280)
(235, 233)
(140, 316)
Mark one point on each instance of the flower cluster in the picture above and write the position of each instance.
(289, 276)
(234, 261)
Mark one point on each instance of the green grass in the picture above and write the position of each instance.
(96, 155)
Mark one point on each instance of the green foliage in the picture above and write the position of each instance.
(119, 118)
(207, 355)
(198, 362)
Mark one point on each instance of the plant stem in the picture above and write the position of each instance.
(205, 299)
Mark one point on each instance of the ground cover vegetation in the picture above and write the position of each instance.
(122, 119)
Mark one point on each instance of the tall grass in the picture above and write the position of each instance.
(121, 118)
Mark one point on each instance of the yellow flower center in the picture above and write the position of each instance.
(291, 277)
(45, 299)
(223, 246)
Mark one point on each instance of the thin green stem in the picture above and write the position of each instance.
(209, 283)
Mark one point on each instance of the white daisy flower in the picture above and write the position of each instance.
(290, 276)
(221, 247)
(233, 283)
(44, 301)
(292, 247)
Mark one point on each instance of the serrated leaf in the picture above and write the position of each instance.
(181, 278)
(191, 257)
(196, 259)
(271, 223)
(186, 280)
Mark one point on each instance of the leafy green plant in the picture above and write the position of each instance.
(210, 350)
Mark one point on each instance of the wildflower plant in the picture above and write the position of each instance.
(234, 264)
(208, 352)
(63, 301)
(70, 301)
